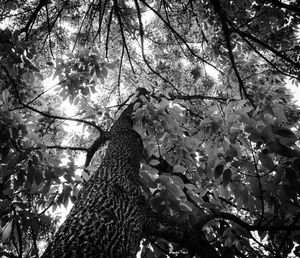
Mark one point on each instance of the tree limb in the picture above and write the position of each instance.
(263, 44)
(193, 240)
(226, 31)
(47, 114)
(33, 17)
(289, 7)
(7, 254)
(179, 36)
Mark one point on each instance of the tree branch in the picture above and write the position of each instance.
(280, 4)
(196, 96)
(95, 146)
(143, 48)
(33, 17)
(263, 44)
(10, 255)
(193, 240)
(227, 216)
(179, 36)
(63, 148)
(47, 114)
(226, 31)
(117, 11)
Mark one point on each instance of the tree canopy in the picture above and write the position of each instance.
(219, 125)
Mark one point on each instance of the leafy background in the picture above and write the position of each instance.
(219, 125)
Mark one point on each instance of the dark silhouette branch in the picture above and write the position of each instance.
(197, 96)
(263, 44)
(289, 7)
(7, 254)
(120, 67)
(193, 240)
(58, 147)
(293, 225)
(108, 31)
(117, 12)
(226, 31)
(47, 114)
(180, 37)
(95, 146)
(81, 25)
(33, 17)
(143, 48)
(101, 16)
(266, 59)
(228, 216)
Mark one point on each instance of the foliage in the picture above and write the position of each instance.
(219, 126)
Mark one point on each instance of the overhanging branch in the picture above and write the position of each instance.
(226, 31)
(44, 113)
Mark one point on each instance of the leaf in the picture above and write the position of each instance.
(267, 134)
(35, 225)
(186, 206)
(175, 191)
(195, 197)
(148, 180)
(6, 231)
(5, 95)
(245, 197)
(154, 162)
(266, 161)
(287, 137)
(98, 72)
(218, 171)
(110, 66)
(283, 150)
(179, 169)
(291, 176)
(285, 132)
(104, 71)
(85, 176)
(226, 176)
(8, 192)
(229, 154)
(290, 192)
(33, 188)
(50, 63)
(136, 106)
(178, 181)
(164, 179)
(248, 166)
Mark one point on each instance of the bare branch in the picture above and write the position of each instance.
(263, 44)
(33, 17)
(143, 48)
(197, 96)
(180, 37)
(226, 31)
(117, 11)
(7, 254)
(47, 114)
(59, 147)
(289, 7)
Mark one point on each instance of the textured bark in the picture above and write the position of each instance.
(108, 218)
(111, 214)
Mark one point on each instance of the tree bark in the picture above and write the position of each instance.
(111, 215)
(108, 217)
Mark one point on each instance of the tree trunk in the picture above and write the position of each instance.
(111, 214)
(108, 217)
